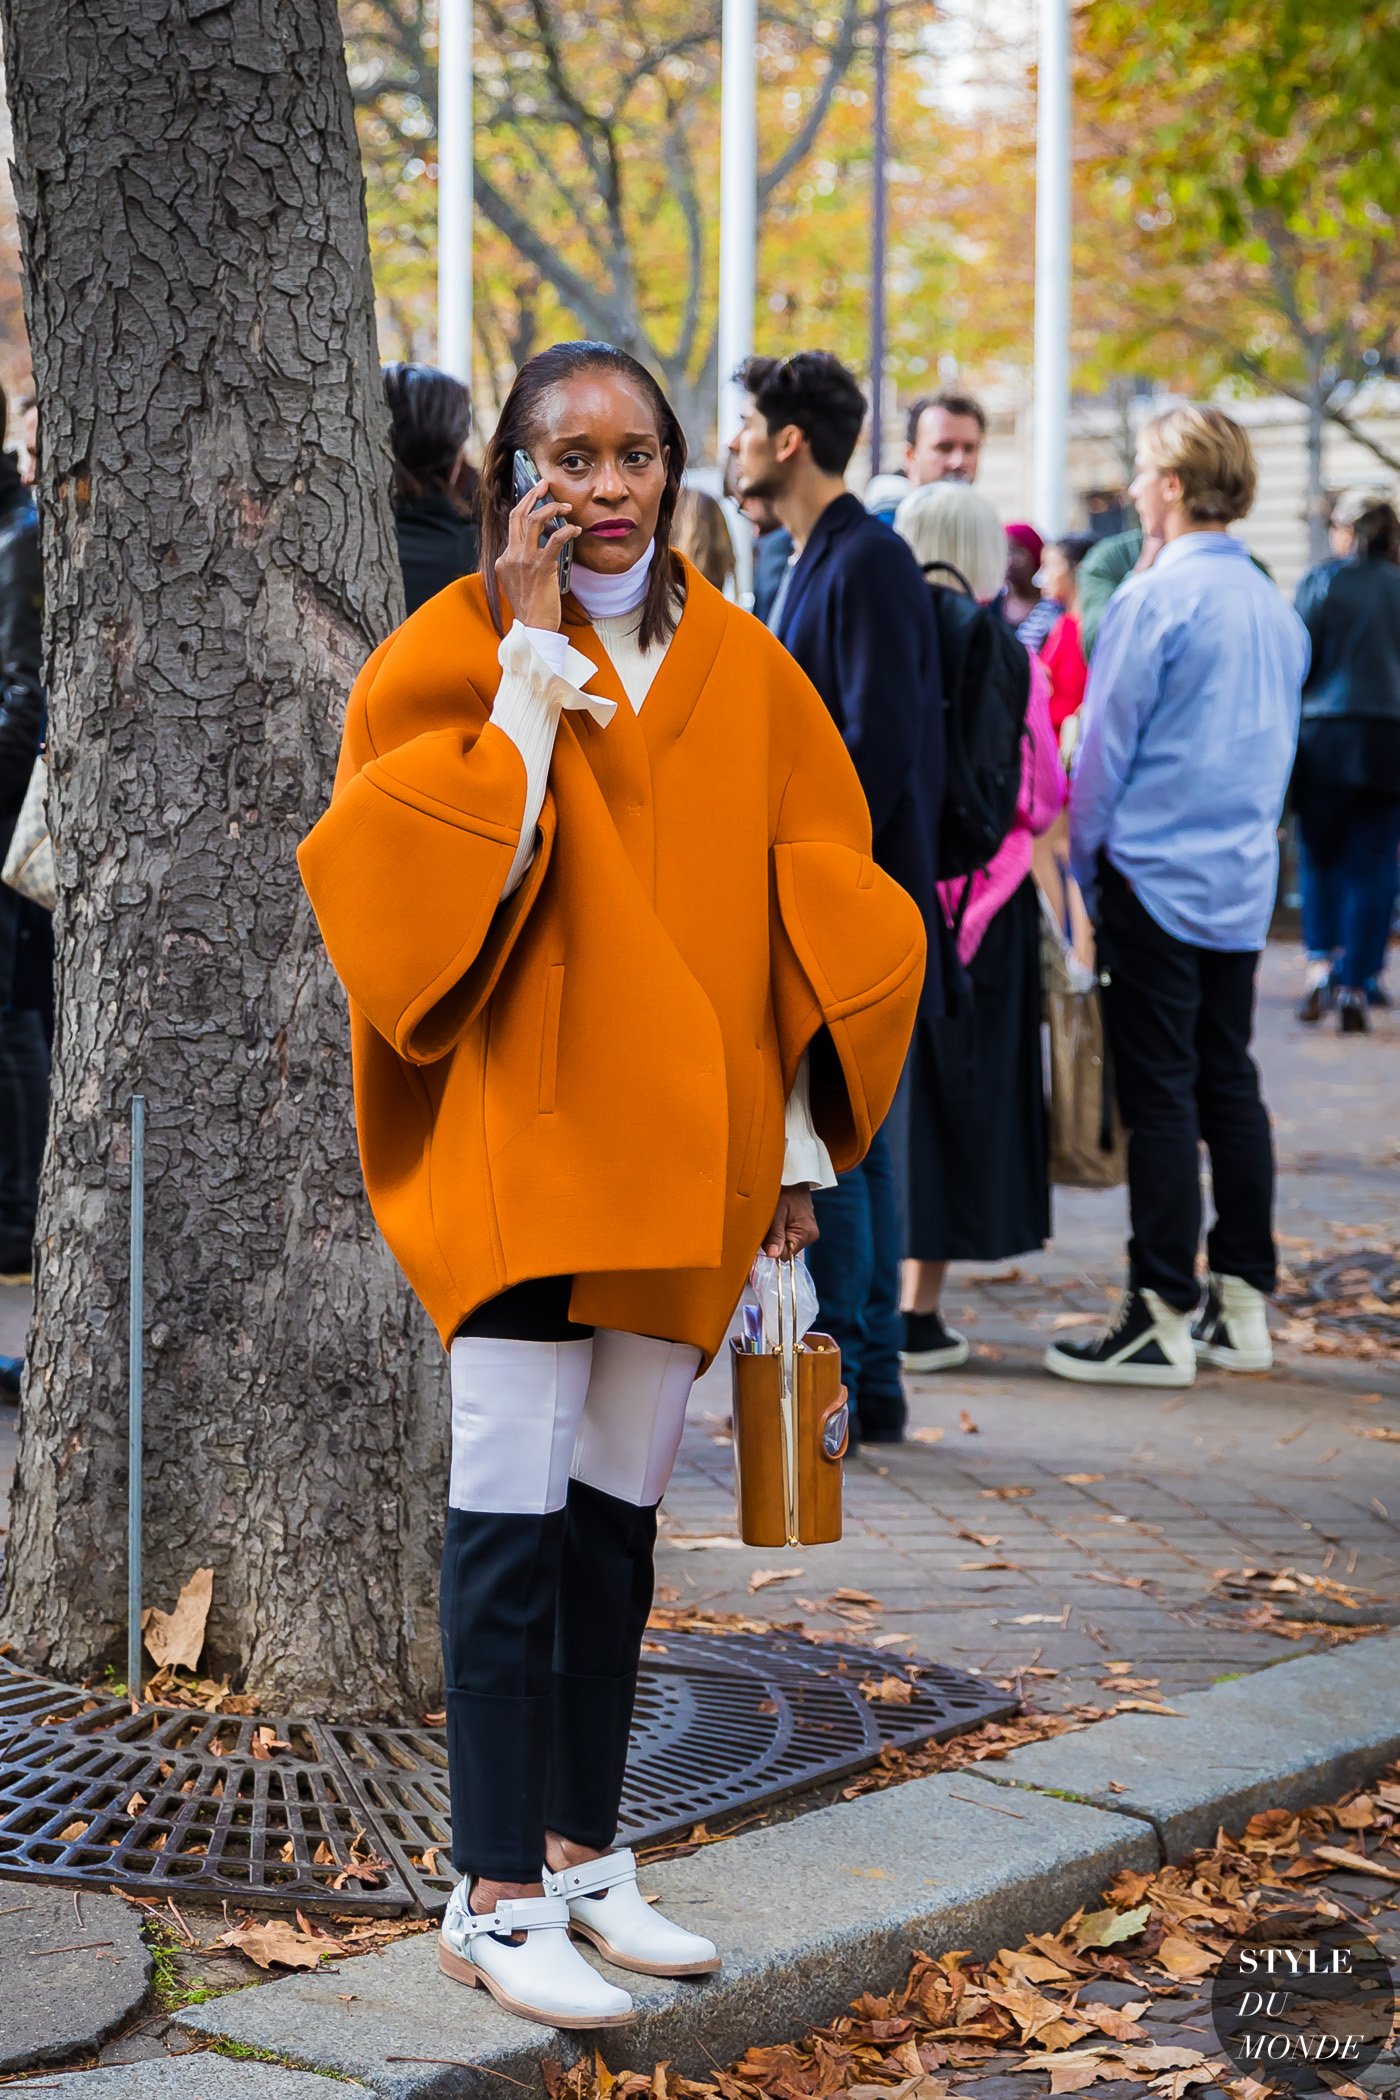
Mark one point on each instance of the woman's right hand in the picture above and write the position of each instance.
(527, 572)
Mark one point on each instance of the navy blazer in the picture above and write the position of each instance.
(859, 619)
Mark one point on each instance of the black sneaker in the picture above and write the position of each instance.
(1353, 1014)
(1320, 996)
(1148, 1343)
(931, 1346)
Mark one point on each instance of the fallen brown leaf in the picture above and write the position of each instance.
(897, 1691)
(1357, 1862)
(1183, 1957)
(277, 1940)
(175, 1639)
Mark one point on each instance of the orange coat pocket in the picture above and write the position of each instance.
(753, 1144)
(549, 1043)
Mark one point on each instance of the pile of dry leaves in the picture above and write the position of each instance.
(1158, 1934)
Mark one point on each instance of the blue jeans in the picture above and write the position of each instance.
(855, 1267)
(1348, 902)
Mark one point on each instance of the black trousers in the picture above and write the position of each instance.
(1179, 1021)
(543, 1618)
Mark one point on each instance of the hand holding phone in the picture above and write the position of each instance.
(525, 475)
(534, 568)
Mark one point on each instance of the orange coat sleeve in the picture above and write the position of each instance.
(405, 869)
(848, 943)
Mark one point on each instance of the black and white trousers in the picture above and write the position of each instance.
(563, 1440)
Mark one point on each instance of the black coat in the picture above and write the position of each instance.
(437, 544)
(21, 690)
(1349, 740)
(1351, 610)
(859, 619)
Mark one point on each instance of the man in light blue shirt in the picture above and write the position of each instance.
(1190, 724)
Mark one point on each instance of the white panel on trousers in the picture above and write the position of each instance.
(634, 1415)
(516, 1408)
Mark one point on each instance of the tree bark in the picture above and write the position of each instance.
(219, 560)
(1316, 506)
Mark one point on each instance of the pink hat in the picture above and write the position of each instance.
(1026, 536)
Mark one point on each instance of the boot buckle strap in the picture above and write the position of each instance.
(519, 1914)
(592, 1877)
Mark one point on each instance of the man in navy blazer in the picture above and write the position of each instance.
(855, 611)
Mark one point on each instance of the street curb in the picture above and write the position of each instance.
(1296, 1733)
(812, 1912)
(808, 1914)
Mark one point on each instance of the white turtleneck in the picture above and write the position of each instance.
(543, 676)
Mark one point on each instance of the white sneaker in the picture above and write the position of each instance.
(542, 1976)
(1233, 1331)
(1148, 1342)
(607, 1907)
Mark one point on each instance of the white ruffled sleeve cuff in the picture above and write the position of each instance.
(542, 677)
(806, 1158)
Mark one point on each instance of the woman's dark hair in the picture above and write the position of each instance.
(519, 429)
(1378, 533)
(430, 414)
(814, 390)
(1074, 546)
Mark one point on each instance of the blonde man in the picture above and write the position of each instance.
(1190, 723)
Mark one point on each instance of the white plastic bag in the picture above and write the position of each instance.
(762, 1317)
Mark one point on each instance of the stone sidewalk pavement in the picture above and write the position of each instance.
(1034, 1524)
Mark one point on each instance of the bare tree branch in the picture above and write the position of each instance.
(797, 149)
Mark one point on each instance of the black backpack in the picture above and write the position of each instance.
(986, 690)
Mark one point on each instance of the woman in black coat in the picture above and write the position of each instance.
(435, 490)
(1346, 784)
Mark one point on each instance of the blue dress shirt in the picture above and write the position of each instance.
(1190, 724)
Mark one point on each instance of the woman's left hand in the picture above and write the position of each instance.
(794, 1224)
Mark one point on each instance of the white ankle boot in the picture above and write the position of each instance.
(1233, 1330)
(607, 1907)
(542, 1976)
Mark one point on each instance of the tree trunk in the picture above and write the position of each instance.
(1317, 507)
(219, 562)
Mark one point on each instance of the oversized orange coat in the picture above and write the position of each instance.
(590, 1079)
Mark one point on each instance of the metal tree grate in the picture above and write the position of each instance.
(1358, 1290)
(354, 1817)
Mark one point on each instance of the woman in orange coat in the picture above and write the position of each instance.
(624, 984)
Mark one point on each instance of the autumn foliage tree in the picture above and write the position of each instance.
(1239, 163)
(597, 178)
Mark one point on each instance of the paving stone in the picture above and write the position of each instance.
(808, 1914)
(1108, 1991)
(1305, 1731)
(201, 2075)
(55, 2004)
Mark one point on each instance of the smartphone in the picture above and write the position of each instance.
(524, 476)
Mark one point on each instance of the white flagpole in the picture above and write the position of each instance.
(454, 227)
(738, 206)
(1052, 271)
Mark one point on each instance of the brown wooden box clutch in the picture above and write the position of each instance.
(789, 1440)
